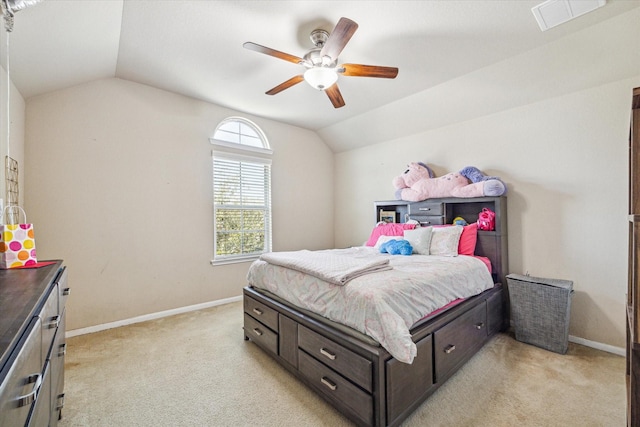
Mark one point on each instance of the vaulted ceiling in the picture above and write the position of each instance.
(195, 48)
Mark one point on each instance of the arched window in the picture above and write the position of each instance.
(241, 191)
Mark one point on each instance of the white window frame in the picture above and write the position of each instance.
(237, 152)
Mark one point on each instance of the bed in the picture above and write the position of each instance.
(349, 339)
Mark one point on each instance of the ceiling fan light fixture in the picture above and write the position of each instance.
(321, 78)
(321, 62)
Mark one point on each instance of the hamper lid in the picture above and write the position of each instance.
(559, 283)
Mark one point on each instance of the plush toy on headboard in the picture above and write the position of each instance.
(418, 183)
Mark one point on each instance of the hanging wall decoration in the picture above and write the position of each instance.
(11, 180)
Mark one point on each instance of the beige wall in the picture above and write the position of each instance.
(120, 187)
(565, 161)
(16, 136)
(554, 124)
(112, 161)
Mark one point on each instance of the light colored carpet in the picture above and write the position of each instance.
(195, 369)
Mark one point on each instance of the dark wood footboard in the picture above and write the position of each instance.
(354, 374)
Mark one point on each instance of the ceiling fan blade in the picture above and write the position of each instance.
(335, 96)
(359, 70)
(339, 38)
(272, 52)
(286, 85)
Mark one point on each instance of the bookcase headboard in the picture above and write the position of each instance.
(490, 244)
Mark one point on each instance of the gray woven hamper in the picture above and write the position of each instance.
(540, 310)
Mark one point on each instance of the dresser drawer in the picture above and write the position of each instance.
(456, 340)
(57, 402)
(41, 411)
(426, 208)
(346, 362)
(260, 334)
(58, 351)
(267, 316)
(63, 290)
(339, 390)
(22, 383)
(50, 320)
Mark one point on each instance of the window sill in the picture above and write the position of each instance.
(216, 262)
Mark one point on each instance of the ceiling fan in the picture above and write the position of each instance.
(321, 62)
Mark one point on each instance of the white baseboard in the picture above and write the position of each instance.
(593, 344)
(598, 345)
(151, 316)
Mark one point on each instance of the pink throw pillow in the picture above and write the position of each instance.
(391, 229)
(468, 239)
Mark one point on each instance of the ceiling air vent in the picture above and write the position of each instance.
(555, 12)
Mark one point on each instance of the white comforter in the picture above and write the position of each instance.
(383, 305)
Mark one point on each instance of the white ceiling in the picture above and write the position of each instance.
(195, 47)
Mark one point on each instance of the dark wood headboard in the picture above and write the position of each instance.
(490, 244)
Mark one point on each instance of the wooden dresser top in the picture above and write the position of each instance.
(22, 291)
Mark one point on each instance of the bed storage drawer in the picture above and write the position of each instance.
(260, 334)
(262, 313)
(346, 362)
(336, 388)
(454, 342)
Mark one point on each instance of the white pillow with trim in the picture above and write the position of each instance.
(420, 239)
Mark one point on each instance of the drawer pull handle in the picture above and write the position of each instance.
(258, 311)
(450, 349)
(60, 402)
(479, 325)
(55, 322)
(66, 291)
(424, 209)
(257, 331)
(28, 398)
(327, 354)
(62, 350)
(330, 384)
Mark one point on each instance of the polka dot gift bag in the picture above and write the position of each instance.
(17, 241)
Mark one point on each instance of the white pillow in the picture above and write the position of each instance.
(420, 239)
(384, 239)
(444, 240)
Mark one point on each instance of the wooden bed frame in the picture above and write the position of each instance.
(354, 373)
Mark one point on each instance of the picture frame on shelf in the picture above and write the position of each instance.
(387, 216)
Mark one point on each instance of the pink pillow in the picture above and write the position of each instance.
(391, 229)
(467, 244)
